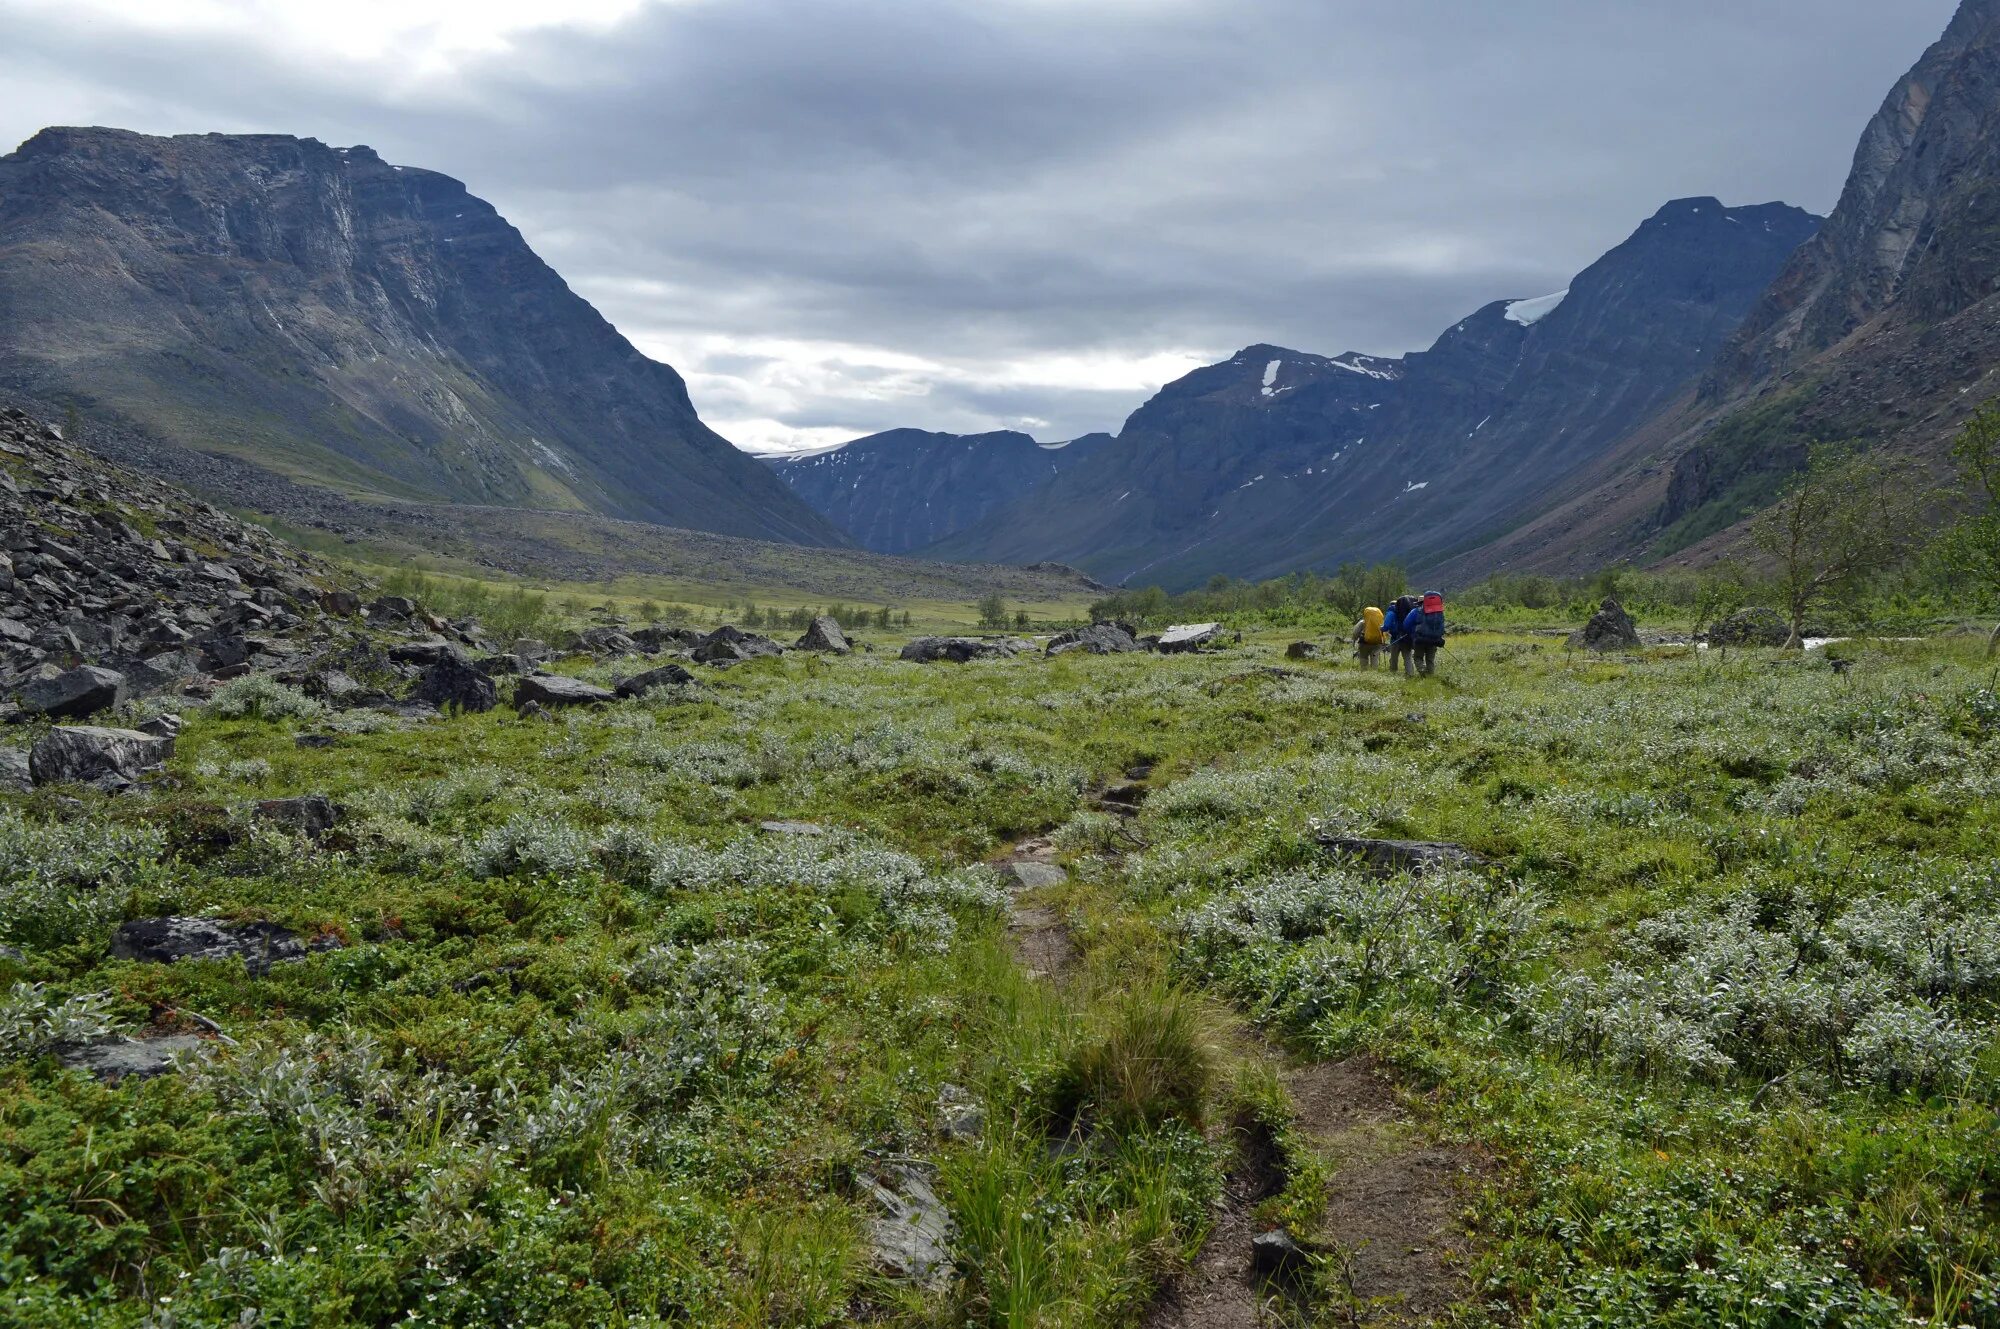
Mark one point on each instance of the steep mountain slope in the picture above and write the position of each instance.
(353, 324)
(1276, 459)
(900, 490)
(1884, 327)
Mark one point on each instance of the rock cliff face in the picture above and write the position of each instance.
(361, 326)
(899, 490)
(1276, 459)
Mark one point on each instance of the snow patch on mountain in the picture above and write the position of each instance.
(1530, 312)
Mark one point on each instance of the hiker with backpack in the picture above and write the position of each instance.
(1425, 627)
(1396, 628)
(1368, 637)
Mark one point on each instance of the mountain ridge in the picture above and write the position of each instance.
(332, 317)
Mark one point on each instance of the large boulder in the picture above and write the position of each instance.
(456, 681)
(549, 691)
(659, 638)
(1097, 639)
(1188, 637)
(958, 650)
(1609, 629)
(606, 641)
(729, 645)
(671, 675)
(87, 754)
(1755, 626)
(75, 694)
(824, 635)
(173, 938)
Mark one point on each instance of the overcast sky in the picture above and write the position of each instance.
(839, 216)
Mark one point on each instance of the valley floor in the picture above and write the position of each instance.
(577, 1040)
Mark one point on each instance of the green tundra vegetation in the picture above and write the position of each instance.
(1713, 1031)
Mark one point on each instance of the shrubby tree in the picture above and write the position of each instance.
(992, 611)
(1844, 518)
(1970, 549)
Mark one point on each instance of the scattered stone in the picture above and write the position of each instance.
(606, 641)
(86, 754)
(1097, 639)
(311, 815)
(1188, 637)
(960, 1118)
(170, 939)
(14, 772)
(425, 653)
(669, 675)
(454, 681)
(74, 694)
(1609, 629)
(314, 741)
(1302, 650)
(958, 650)
(550, 691)
(1413, 856)
(911, 1239)
(1033, 876)
(114, 1059)
(1274, 1255)
(824, 635)
(729, 645)
(1751, 627)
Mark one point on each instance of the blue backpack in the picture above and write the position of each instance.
(1427, 622)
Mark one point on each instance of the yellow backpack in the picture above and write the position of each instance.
(1371, 626)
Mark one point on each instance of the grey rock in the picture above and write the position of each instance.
(671, 675)
(73, 695)
(84, 754)
(729, 645)
(1609, 629)
(14, 770)
(170, 939)
(959, 1116)
(454, 681)
(1274, 1255)
(911, 1235)
(791, 828)
(114, 1059)
(550, 691)
(312, 815)
(1302, 650)
(1097, 639)
(1030, 876)
(606, 641)
(1188, 637)
(957, 650)
(425, 653)
(1413, 856)
(824, 635)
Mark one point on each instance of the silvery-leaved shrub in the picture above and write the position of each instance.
(61, 881)
(259, 696)
(531, 844)
(33, 1022)
(1894, 987)
(1304, 946)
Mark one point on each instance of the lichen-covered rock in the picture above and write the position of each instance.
(824, 635)
(666, 676)
(550, 691)
(1609, 629)
(958, 650)
(87, 754)
(170, 939)
(1097, 639)
(74, 694)
(454, 681)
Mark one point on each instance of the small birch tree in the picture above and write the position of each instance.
(1844, 518)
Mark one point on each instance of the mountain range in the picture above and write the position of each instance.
(270, 319)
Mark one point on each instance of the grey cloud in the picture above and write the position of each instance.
(1011, 179)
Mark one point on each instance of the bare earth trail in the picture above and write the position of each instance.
(1391, 1228)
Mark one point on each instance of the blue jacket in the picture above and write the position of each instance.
(1392, 624)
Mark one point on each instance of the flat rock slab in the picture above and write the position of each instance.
(957, 650)
(671, 675)
(1188, 637)
(1030, 876)
(911, 1235)
(1415, 856)
(170, 939)
(140, 1058)
(552, 690)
